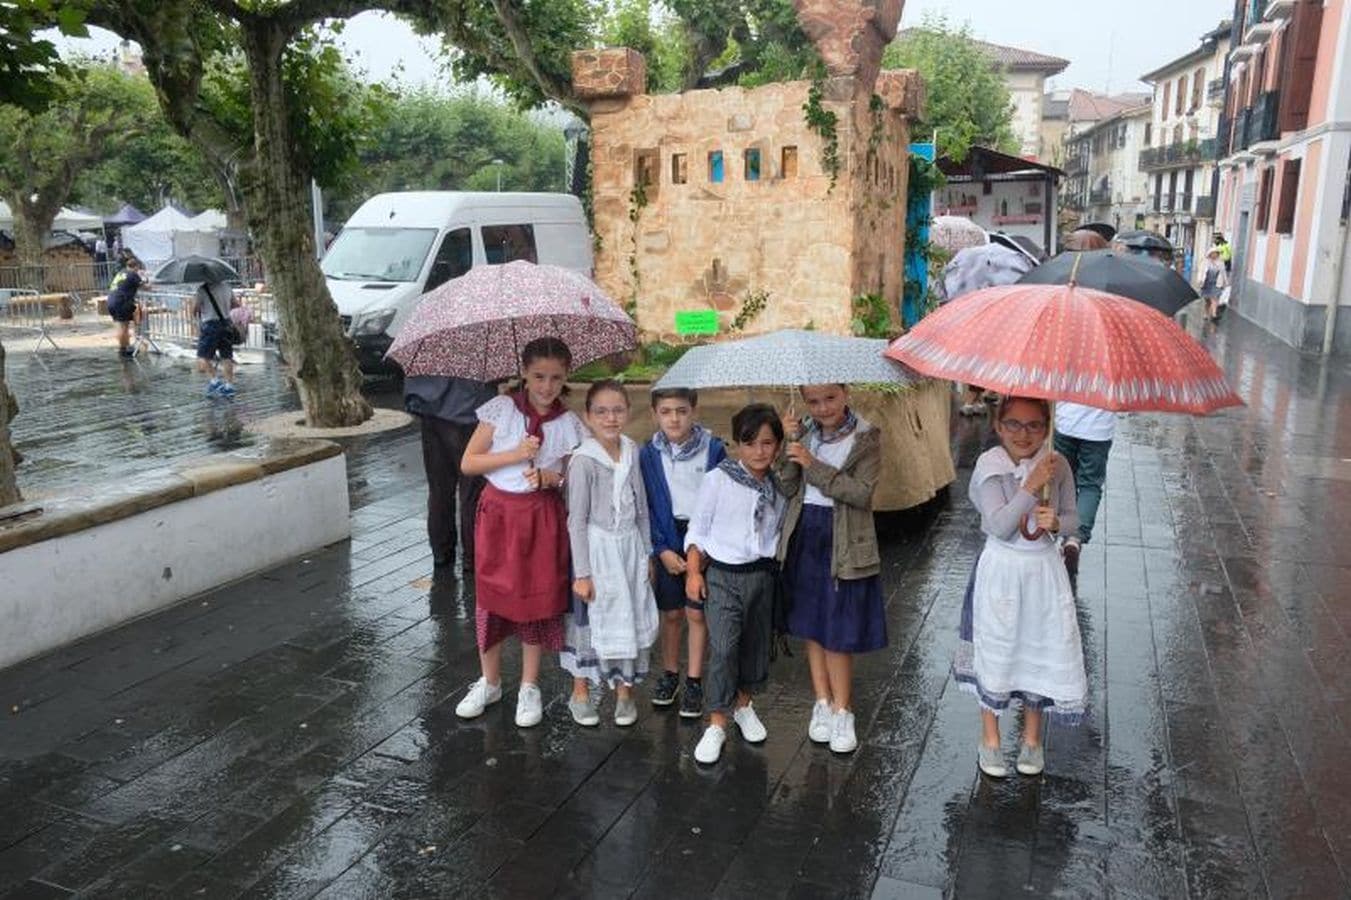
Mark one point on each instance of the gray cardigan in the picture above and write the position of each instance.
(590, 487)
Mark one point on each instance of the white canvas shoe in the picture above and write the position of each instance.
(529, 706)
(752, 729)
(821, 725)
(481, 695)
(709, 747)
(842, 738)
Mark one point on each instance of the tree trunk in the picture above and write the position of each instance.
(277, 191)
(31, 224)
(9, 408)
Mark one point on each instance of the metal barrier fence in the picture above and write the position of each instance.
(90, 278)
(165, 316)
(27, 310)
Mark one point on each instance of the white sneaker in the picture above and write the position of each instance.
(709, 747)
(821, 725)
(481, 695)
(842, 737)
(529, 706)
(752, 729)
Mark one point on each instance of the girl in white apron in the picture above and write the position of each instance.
(1020, 642)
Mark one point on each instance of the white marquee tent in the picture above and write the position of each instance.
(170, 233)
(66, 220)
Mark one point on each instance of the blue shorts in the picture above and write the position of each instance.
(122, 311)
(214, 339)
(670, 589)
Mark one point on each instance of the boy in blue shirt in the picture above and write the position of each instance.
(673, 465)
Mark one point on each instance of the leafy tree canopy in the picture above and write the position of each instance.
(967, 100)
(29, 64)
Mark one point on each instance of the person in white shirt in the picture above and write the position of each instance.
(1083, 436)
(734, 533)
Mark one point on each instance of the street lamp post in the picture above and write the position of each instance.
(498, 164)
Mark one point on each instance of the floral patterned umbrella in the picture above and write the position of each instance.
(475, 326)
(1063, 342)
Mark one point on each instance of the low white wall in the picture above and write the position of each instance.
(59, 590)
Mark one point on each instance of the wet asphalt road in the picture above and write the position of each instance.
(293, 735)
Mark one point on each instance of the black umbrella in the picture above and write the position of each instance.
(1147, 241)
(1136, 277)
(1100, 228)
(194, 270)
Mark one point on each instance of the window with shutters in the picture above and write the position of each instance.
(1167, 87)
(1300, 56)
(1264, 198)
(1198, 87)
(1180, 105)
(1285, 210)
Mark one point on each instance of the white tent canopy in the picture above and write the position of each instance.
(66, 220)
(210, 220)
(170, 233)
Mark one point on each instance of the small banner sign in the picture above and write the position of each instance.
(696, 321)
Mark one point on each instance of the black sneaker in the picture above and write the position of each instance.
(666, 688)
(692, 700)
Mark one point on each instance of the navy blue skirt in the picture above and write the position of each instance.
(843, 616)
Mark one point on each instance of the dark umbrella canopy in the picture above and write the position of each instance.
(195, 269)
(1143, 240)
(1136, 277)
(1101, 228)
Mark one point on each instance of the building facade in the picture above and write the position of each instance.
(1283, 194)
(1104, 182)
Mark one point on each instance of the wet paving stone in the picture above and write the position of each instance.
(294, 735)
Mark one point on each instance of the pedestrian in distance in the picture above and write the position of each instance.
(122, 304)
(612, 621)
(734, 535)
(1214, 281)
(446, 411)
(674, 464)
(1226, 252)
(211, 306)
(1019, 635)
(521, 445)
(830, 554)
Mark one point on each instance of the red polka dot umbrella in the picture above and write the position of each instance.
(1063, 342)
(475, 326)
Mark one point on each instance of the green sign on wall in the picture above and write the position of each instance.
(696, 321)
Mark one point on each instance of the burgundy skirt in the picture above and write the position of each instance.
(521, 557)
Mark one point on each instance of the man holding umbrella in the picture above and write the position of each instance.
(217, 334)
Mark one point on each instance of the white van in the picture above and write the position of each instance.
(398, 246)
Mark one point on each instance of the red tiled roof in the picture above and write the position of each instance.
(1087, 106)
(1011, 57)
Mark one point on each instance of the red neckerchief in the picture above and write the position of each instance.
(534, 421)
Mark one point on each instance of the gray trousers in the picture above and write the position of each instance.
(739, 614)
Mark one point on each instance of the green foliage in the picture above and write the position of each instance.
(31, 72)
(752, 305)
(648, 364)
(430, 141)
(41, 152)
(967, 101)
(872, 317)
(152, 164)
(824, 123)
(656, 33)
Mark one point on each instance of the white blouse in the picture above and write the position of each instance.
(832, 455)
(723, 524)
(683, 479)
(561, 437)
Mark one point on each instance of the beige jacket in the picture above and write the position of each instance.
(854, 552)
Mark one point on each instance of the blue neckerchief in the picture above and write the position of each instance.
(695, 444)
(765, 488)
(813, 431)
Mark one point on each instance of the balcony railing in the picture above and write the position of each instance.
(1266, 115)
(1177, 155)
(1205, 207)
(1100, 195)
(1240, 130)
(1076, 165)
(1215, 90)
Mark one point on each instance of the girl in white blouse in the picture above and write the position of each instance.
(520, 532)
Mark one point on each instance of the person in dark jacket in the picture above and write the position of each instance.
(446, 408)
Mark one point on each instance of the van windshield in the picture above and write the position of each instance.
(378, 254)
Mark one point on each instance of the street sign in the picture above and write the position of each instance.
(696, 321)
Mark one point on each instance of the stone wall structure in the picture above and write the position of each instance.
(706, 198)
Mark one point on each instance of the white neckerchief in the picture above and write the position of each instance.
(621, 499)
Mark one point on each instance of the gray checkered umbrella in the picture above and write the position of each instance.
(787, 359)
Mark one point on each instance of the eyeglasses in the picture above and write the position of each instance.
(606, 412)
(1016, 427)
